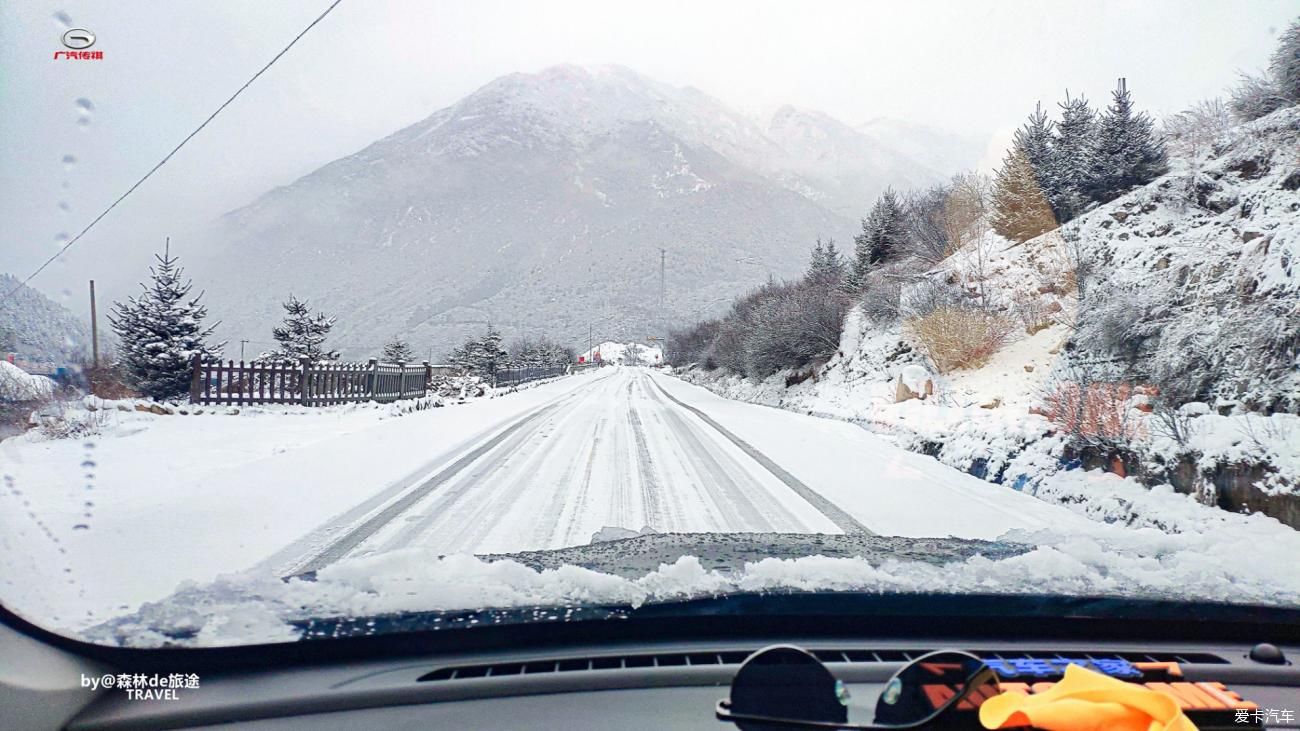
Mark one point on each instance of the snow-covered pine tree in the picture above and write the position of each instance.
(1128, 151)
(855, 278)
(482, 356)
(491, 355)
(885, 230)
(1020, 210)
(1036, 138)
(1070, 164)
(161, 331)
(302, 335)
(826, 265)
(398, 350)
(1284, 65)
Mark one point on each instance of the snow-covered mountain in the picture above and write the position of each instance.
(937, 150)
(39, 330)
(541, 203)
(839, 166)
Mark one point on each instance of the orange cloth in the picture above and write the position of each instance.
(1086, 701)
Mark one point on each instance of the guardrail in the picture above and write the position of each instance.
(516, 376)
(305, 382)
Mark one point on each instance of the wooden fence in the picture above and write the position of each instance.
(305, 383)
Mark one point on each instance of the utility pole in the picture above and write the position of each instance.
(663, 254)
(241, 350)
(94, 328)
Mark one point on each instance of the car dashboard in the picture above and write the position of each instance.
(646, 685)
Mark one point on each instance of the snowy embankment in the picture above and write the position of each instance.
(92, 527)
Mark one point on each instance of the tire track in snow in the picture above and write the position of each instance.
(650, 484)
(345, 543)
(834, 513)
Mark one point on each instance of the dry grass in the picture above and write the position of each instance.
(959, 338)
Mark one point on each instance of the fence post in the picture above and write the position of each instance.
(401, 380)
(372, 380)
(195, 378)
(428, 376)
(305, 381)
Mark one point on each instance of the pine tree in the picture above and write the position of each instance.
(1036, 139)
(826, 264)
(1129, 153)
(302, 335)
(1284, 65)
(398, 350)
(884, 233)
(161, 331)
(482, 356)
(492, 355)
(855, 279)
(1020, 210)
(1071, 161)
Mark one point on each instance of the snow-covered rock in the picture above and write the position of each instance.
(19, 385)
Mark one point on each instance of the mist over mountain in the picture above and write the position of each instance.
(541, 204)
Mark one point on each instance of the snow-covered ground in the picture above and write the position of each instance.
(165, 499)
(196, 519)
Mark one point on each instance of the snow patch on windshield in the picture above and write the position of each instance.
(1110, 561)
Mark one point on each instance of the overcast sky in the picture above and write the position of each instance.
(375, 66)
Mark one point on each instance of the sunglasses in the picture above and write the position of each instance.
(785, 687)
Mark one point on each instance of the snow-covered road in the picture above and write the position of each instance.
(93, 528)
(632, 448)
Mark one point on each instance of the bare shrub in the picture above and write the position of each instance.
(1169, 421)
(1031, 312)
(1097, 413)
(107, 382)
(63, 420)
(925, 222)
(957, 337)
(777, 326)
(924, 296)
(1256, 96)
(965, 212)
(1195, 129)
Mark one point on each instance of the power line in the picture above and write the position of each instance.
(176, 149)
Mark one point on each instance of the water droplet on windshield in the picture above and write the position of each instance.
(81, 526)
(85, 109)
(88, 464)
(69, 161)
(63, 19)
(63, 206)
(60, 239)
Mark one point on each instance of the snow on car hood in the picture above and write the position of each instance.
(1145, 563)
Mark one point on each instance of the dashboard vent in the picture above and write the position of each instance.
(735, 657)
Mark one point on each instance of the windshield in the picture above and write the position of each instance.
(314, 311)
